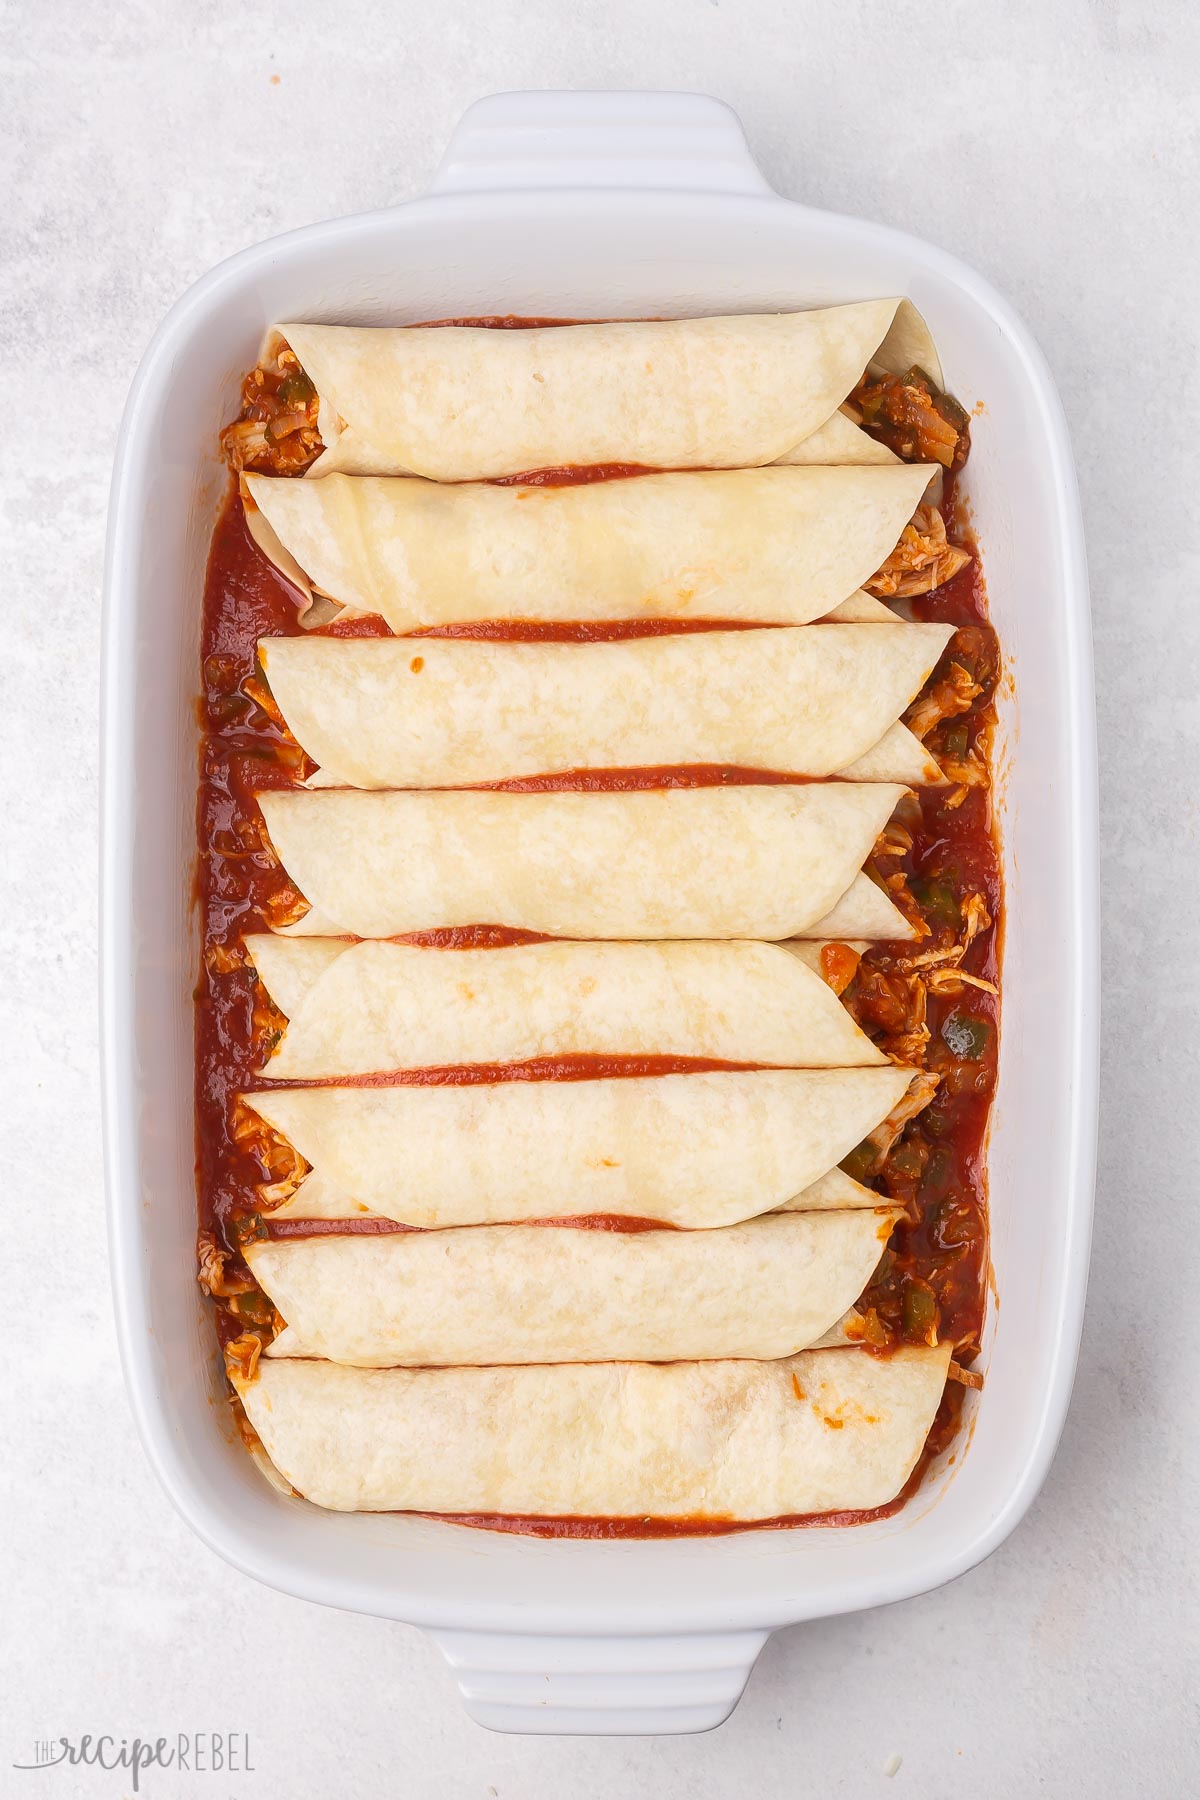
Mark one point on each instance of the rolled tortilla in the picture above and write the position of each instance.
(846, 1330)
(775, 546)
(909, 344)
(835, 1191)
(714, 862)
(863, 911)
(464, 403)
(319, 1199)
(528, 1293)
(838, 443)
(696, 1150)
(394, 713)
(365, 1008)
(898, 756)
(825, 1431)
(861, 608)
(898, 747)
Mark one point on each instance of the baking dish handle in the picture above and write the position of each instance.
(686, 143)
(600, 1686)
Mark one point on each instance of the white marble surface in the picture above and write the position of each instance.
(1053, 144)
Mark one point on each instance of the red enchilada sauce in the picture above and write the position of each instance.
(582, 631)
(587, 1065)
(930, 1003)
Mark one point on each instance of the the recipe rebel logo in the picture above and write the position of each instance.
(186, 1753)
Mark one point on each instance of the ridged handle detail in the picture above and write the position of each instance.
(604, 1686)
(687, 143)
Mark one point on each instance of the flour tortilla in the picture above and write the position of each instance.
(776, 546)
(838, 443)
(464, 403)
(825, 1431)
(697, 1150)
(364, 1008)
(318, 1198)
(529, 1293)
(846, 1330)
(899, 756)
(399, 713)
(898, 747)
(861, 608)
(863, 911)
(908, 344)
(834, 1191)
(717, 862)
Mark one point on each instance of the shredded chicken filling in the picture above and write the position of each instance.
(276, 431)
(281, 1167)
(924, 559)
(928, 1005)
(911, 415)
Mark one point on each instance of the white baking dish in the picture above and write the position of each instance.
(577, 205)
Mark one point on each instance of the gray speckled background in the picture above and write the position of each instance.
(1052, 143)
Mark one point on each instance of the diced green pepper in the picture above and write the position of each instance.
(965, 1036)
(226, 708)
(296, 390)
(860, 1162)
(907, 1159)
(938, 902)
(919, 1312)
(254, 1307)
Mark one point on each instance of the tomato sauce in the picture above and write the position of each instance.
(574, 475)
(644, 780)
(576, 1066)
(578, 631)
(238, 883)
(367, 1225)
(937, 1257)
(574, 1526)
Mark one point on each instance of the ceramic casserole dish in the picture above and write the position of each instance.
(576, 206)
